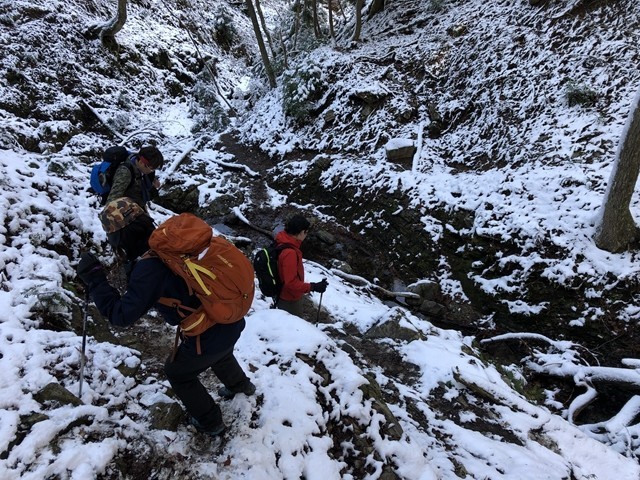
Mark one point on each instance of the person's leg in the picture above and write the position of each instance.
(232, 376)
(183, 376)
(229, 371)
(294, 308)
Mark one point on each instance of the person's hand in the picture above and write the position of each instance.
(320, 287)
(89, 269)
(156, 183)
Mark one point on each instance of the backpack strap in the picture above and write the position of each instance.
(177, 304)
(174, 303)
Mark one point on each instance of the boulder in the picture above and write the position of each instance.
(54, 393)
(166, 416)
(401, 151)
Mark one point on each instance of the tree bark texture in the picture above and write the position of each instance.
(376, 7)
(316, 25)
(356, 32)
(114, 25)
(332, 33)
(264, 28)
(263, 50)
(617, 230)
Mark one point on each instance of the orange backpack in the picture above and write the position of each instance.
(219, 274)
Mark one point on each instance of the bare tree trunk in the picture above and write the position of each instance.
(107, 31)
(617, 230)
(116, 24)
(297, 23)
(356, 32)
(330, 9)
(376, 6)
(283, 45)
(263, 51)
(344, 15)
(306, 14)
(265, 29)
(316, 25)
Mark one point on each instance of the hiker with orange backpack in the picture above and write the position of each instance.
(205, 286)
(290, 268)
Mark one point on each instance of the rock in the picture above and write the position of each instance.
(323, 162)
(178, 198)
(433, 309)
(166, 416)
(388, 473)
(221, 206)
(56, 394)
(371, 97)
(391, 328)
(372, 390)
(28, 421)
(325, 237)
(341, 265)
(129, 369)
(457, 30)
(401, 151)
(426, 289)
(329, 116)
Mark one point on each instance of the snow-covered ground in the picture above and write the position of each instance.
(312, 416)
(289, 432)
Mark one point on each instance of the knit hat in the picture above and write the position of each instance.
(296, 224)
(153, 156)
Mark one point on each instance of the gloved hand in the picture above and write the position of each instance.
(320, 287)
(89, 269)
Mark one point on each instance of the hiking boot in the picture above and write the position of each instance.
(213, 432)
(245, 387)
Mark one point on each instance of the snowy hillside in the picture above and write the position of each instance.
(374, 389)
(315, 414)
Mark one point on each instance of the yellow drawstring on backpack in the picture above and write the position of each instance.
(194, 269)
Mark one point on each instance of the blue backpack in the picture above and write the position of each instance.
(102, 173)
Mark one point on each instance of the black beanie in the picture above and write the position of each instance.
(296, 224)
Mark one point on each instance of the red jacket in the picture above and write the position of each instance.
(290, 268)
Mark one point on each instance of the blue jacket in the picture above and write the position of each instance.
(151, 279)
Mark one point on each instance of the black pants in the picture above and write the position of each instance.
(133, 239)
(183, 376)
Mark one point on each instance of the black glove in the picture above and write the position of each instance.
(89, 269)
(320, 287)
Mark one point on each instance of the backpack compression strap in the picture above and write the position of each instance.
(194, 268)
(175, 303)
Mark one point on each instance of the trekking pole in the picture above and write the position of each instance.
(84, 341)
(319, 305)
